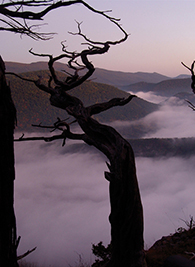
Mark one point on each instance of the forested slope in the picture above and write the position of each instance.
(33, 105)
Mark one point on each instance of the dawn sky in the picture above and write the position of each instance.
(161, 35)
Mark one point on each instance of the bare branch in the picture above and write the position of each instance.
(39, 55)
(60, 125)
(57, 125)
(65, 134)
(16, 10)
(38, 83)
(18, 241)
(90, 42)
(192, 73)
(26, 254)
(100, 107)
(14, 25)
(22, 78)
(27, 3)
(190, 69)
(192, 106)
(46, 139)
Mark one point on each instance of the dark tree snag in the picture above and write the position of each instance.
(8, 239)
(126, 217)
(15, 17)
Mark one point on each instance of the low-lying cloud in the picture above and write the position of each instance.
(61, 195)
(173, 119)
(62, 202)
(150, 96)
(166, 186)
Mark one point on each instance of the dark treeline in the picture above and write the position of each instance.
(152, 147)
(159, 147)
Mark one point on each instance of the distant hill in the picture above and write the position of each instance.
(116, 78)
(119, 79)
(182, 76)
(163, 147)
(166, 88)
(186, 96)
(33, 105)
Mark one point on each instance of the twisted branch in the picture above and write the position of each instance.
(60, 125)
(100, 107)
(192, 73)
(96, 48)
(14, 10)
(26, 254)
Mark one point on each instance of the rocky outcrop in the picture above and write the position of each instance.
(181, 243)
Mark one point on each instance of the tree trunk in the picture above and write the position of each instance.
(8, 257)
(126, 217)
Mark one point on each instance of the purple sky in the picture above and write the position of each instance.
(161, 35)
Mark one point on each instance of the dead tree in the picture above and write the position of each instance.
(126, 217)
(8, 239)
(15, 16)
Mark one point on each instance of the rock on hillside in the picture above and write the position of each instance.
(180, 243)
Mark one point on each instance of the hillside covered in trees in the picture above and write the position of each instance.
(33, 106)
(166, 88)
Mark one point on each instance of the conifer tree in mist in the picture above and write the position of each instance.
(126, 217)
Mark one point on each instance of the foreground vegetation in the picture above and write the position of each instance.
(182, 242)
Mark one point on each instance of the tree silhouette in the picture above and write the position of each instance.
(192, 75)
(17, 17)
(8, 239)
(126, 217)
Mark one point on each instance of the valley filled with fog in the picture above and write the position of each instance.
(62, 199)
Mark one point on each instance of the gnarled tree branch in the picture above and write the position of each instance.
(126, 217)
(60, 125)
(100, 107)
(192, 73)
(14, 10)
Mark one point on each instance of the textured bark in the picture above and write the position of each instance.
(126, 217)
(7, 175)
(126, 209)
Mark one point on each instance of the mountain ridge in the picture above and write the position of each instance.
(166, 88)
(116, 78)
(33, 105)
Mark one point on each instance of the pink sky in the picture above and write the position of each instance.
(162, 35)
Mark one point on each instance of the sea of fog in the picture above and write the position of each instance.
(61, 195)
